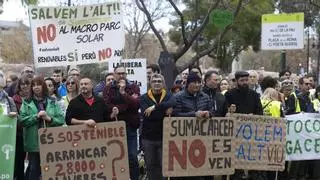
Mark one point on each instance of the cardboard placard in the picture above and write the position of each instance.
(194, 147)
(77, 35)
(260, 142)
(80, 152)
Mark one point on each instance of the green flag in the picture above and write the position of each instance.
(221, 18)
(8, 128)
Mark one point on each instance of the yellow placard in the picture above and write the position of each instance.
(275, 18)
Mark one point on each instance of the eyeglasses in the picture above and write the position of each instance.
(29, 72)
(25, 84)
(287, 83)
(156, 81)
(121, 73)
(70, 83)
(307, 84)
(50, 85)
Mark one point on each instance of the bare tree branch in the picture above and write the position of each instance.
(143, 8)
(195, 35)
(183, 30)
(314, 4)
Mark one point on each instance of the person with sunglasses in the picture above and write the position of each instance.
(316, 101)
(72, 90)
(304, 98)
(300, 169)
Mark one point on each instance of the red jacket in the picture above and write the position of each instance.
(128, 106)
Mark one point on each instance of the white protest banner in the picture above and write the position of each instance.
(76, 35)
(282, 31)
(136, 71)
(303, 136)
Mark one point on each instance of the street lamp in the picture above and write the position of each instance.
(307, 7)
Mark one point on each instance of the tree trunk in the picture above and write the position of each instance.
(168, 68)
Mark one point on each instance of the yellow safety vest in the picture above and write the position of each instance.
(297, 104)
(271, 108)
(316, 104)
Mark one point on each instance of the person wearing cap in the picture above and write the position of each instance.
(192, 102)
(242, 99)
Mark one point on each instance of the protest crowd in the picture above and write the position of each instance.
(70, 100)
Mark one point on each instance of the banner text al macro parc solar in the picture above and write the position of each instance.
(76, 35)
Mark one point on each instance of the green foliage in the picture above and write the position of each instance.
(245, 31)
(310, 8)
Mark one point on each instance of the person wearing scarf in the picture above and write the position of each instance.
(155, 105)
(37, 111)
(22, 91)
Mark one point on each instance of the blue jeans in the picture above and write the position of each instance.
(132, 153)
(34, 166)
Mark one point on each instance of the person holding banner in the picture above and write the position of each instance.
(155, 105)
(192, 102)
(87, 108)
(302, 169)
(123, 96)
(243, 100)
(7, 108)
(211, 85)
(38, 111)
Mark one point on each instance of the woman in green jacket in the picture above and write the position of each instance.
(36, 112)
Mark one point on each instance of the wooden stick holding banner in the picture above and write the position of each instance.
(170, 120)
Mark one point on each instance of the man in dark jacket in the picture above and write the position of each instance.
(245, 101)
(123, 97)
(211, 83)
(86, 108)
(192, 102)
(304, 96)
(242, 99)
(301, 169)
(155, 105)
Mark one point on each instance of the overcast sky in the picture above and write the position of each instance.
(14, 11)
